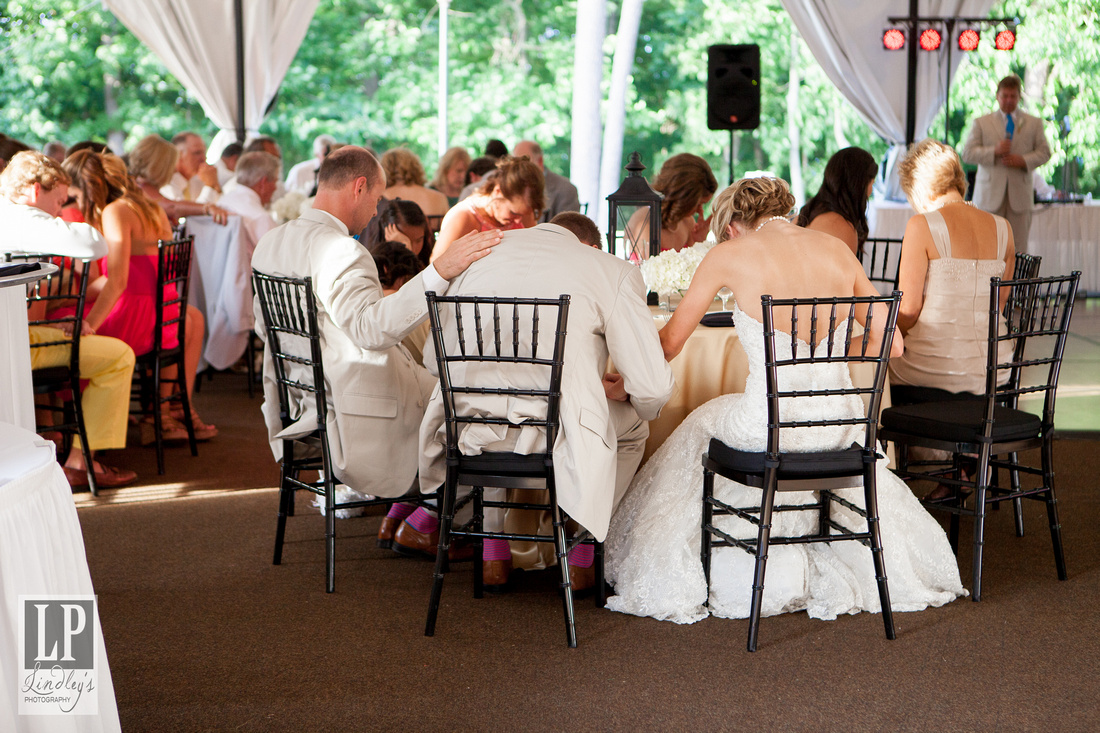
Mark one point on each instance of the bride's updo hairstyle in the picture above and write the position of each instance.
(929, 170)
(748, 201)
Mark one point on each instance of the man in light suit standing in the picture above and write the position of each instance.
(377, 391)
(603, 419)
(1007, 145)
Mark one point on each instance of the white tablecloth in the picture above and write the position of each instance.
(16, 392)
(16, 397)
(1066, 236)
(221, 287)
(41, 553)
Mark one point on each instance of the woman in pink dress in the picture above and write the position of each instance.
(123, 291)
(511, 197)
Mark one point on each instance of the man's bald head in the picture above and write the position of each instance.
(343, 166)
(531, 149)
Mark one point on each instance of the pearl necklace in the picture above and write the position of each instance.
(938, 206)
(768, 221)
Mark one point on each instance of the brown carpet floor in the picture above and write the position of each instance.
(204, 633)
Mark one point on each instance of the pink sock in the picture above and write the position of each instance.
(423, 521)
(582, 556)
(400, 511)
(496, 550)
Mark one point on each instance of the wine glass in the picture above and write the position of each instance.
(725, 294)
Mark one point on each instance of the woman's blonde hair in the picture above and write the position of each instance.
(126, 189)
(748, 201)
(28, 167)
(154, 159)
(929, 170)
(403, 168)
(446, 163)
(685, 180)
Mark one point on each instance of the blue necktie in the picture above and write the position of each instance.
(1010, 127)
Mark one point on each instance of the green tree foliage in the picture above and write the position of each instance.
(72, 75)
(367, 73)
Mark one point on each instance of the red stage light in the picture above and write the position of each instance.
(968, 40)
(1006, 40)
(930, 39)
(893, 39)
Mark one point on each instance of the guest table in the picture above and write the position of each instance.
(712, 363)
(16, 396)
(1066, 236)
(41, 555)
(221, 287)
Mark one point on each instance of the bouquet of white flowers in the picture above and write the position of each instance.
(288, 207)
(672, 270)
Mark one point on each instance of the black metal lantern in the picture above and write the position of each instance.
(634, 216)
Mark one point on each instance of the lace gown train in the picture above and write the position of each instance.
(653, 543)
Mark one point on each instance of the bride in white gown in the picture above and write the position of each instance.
(652, 550)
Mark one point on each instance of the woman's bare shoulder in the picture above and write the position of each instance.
(835, 225)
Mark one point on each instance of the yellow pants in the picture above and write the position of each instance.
(108, 365)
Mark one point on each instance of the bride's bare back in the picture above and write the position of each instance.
(781, 260)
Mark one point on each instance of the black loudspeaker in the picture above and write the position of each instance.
(733, 87)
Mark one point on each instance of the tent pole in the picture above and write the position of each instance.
(238, 16)
(444, 8)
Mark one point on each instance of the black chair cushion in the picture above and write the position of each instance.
(960, 421)
(51, 377)
(827, 464)
(500, 463)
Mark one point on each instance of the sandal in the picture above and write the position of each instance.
(173, 430)
(202, 430)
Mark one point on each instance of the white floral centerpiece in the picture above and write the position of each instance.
(671, 271)
(288, 207)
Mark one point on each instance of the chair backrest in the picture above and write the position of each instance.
(520, 340)
(1035, 331)
(294, 343)
(66, 287)
(1026, 267)
(881, 257)
(835, 337)
(173, 278)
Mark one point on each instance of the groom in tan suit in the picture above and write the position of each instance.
(603, 421)
(377, 392)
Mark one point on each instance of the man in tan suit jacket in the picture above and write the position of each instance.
(1007, 145)
(377, 393)
(600, 444)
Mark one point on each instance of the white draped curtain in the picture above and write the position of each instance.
(197, 41)
(845, 36)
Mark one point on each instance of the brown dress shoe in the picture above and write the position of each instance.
(409, 542)
(107, 477)
(494, 574)
(582, 580)
(387, 531)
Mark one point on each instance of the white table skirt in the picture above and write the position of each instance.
(16, 388)
(1066, 236)
(16, 396)
(221, 287)
(41, 553)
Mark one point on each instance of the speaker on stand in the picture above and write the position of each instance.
(733, 89)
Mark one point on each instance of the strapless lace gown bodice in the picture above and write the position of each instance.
(654, 540)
